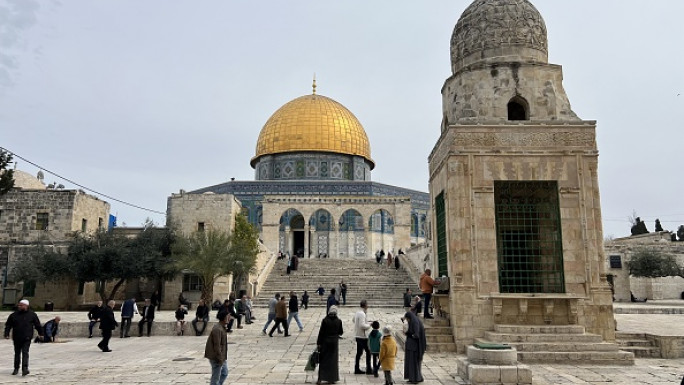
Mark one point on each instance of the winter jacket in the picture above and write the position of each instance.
(360, 324)
(388, 353)
(22, 324)
(374, 341)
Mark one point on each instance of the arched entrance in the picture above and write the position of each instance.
(291, 233)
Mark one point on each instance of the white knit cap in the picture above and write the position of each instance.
(24, 302)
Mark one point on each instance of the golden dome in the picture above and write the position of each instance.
(313, 123)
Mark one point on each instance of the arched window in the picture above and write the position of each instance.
(351, 220)
(321, 220)
(381, 222)
(518, 109)
(292, 218)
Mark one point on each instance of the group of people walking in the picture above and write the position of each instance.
(392, 261)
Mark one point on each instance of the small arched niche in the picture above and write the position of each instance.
(518, 109)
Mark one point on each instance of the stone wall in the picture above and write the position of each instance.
(216, 211)
(66, 209)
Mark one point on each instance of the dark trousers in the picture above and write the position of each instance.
(142, 323)
(204, 322)
(278, 322)
(106, 335)
(21, 354)
(376, 363)
(426, 298)
(344, 297)
(361, 347)
(230, 323)
(90, 327)
(125, 326)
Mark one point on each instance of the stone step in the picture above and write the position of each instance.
(643, 352)
(636, 343)
(566, 347)
(439, 331)
(578, 358)
(539, 329)
(441, 338)
(512, 338)
(432, 347)
(437, 321)
(630, 336)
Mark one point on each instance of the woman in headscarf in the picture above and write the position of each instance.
(414, 348)
(328, 340)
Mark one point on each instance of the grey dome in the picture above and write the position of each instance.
(491, 31)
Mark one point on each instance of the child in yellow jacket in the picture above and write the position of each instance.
(388, 354)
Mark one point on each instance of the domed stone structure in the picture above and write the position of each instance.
(514, 181)
(499, 61)
(313, 137)
(26, 181)
(499, 30)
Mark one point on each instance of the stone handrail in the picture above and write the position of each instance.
(256, 281)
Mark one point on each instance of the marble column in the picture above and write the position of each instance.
(288, 241)
(314, 242)
(306, 241)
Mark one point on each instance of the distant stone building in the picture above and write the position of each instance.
(618, 253)
(514, 185)
(31, 216)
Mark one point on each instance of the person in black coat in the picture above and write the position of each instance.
(107, 324)
(328, 347)
(201, 315)
(147, 318)
(228, 308)
(94, 315)
(21, 323)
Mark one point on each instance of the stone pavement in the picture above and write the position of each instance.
(257, 359)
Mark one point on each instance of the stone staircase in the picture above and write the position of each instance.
(379, 285)
(639, 344)
(438, 333)
(560, 344)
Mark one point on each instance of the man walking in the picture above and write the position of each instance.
(293, 306)
(21, 323)
(280, 317)
(360, 328)
(94, 315)
(427, 285)
(216, 350)
(272, 312)
(128, 308)
(201, 315)
(147, 318)
(343, 292)
(107, 324)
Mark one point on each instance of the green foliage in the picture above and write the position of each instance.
(6, 174)
(244, 249)
(652, 263)
(212, 254)
(207, 254)
(103, 256)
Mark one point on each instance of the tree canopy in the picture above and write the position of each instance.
(103, 256)
(652, 263)
(6, 174)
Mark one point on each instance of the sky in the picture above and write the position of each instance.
(139, 99)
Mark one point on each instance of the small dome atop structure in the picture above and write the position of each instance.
(492, 31)
(26, 181)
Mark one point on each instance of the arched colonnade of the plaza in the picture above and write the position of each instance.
(339, 227)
